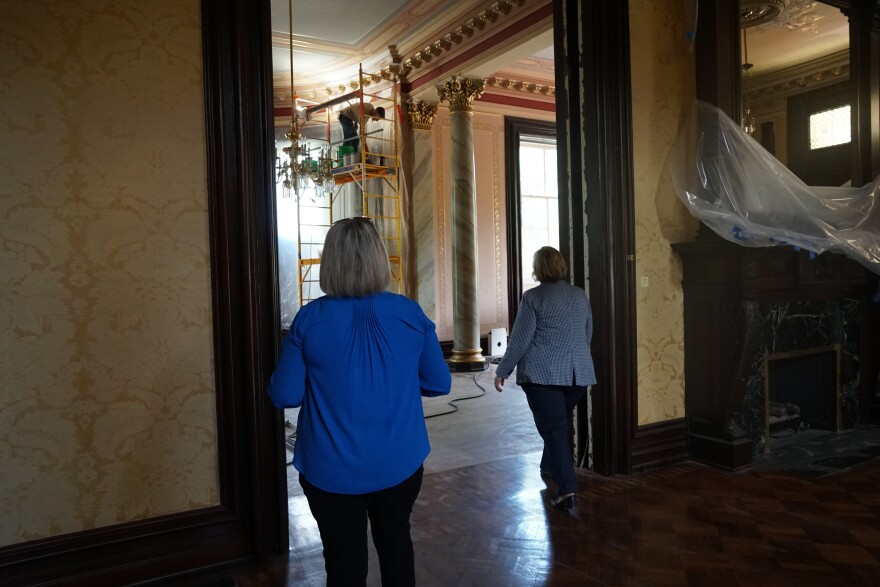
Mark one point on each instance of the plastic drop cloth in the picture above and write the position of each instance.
(743, 193)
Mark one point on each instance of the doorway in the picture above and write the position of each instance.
(532, 200)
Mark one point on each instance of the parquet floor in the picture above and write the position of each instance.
(485, 522)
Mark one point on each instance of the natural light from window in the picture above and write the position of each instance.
(831, 127)
(539, 208)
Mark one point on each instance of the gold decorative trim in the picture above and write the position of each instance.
(496, 214)
(421, 114)
(520, 86)
(467, 356)
(440, 211)
(460, 93)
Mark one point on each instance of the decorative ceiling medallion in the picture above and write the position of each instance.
(755, 12)
(795, 15)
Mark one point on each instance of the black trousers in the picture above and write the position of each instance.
(553, 406)
(350, 133)
(342, 522)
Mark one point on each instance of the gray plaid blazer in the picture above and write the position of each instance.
(550, 341)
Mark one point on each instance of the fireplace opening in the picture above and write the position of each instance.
(801, 391)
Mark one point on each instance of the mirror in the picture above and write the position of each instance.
(796, 91)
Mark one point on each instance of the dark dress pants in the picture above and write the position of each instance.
(350, 132)
(342, 522)
(552, 407)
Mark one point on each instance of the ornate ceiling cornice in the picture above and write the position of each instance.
(820, 72)
(400, 67)
(520, 86)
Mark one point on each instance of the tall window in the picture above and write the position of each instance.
(539, 205)
(532, 200)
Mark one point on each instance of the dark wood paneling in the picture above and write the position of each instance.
(659, 444)
(251, 520)
(717, 55)
(864, 55)
(130, 553)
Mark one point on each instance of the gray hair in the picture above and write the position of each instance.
(549, 265)
(354, 262)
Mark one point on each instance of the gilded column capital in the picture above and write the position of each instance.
(461, 93)
(421, 114)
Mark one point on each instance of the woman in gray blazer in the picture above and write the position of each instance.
(550, 349)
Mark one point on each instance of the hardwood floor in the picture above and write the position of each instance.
(483, 519)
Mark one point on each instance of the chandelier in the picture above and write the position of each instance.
(305, 165)
(748, 120)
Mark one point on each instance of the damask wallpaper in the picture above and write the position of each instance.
(662, 90)
(107, 406)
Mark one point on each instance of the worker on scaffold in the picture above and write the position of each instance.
(349, 118)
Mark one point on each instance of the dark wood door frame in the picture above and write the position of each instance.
(513, 129)
(594, 142)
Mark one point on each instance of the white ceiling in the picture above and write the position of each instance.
(332, 37)
(342, 22)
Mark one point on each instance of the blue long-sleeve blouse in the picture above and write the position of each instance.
(358, 368)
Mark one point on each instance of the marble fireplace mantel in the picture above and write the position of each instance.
(741, 304)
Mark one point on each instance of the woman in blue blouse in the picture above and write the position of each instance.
(550, 349)
(357, 361)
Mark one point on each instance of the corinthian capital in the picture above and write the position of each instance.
(461, 93)
(421, 114)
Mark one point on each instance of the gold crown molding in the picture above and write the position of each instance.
(421, 114)
(461, 93)
(400, 68)
(479, 22)
(521, 86)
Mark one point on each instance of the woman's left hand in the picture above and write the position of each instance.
(499, 383)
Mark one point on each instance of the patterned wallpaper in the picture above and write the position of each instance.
(663, 91)
(107, 405)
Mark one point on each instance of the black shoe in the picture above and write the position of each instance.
(563, 503)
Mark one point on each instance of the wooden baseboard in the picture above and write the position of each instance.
(656, 445)
(132, 553)
(731, 455)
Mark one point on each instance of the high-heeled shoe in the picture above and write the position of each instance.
(563, 503)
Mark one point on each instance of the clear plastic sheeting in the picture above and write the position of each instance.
(733, 185)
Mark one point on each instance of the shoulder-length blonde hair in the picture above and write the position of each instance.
(549, 265)
(354, 262)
